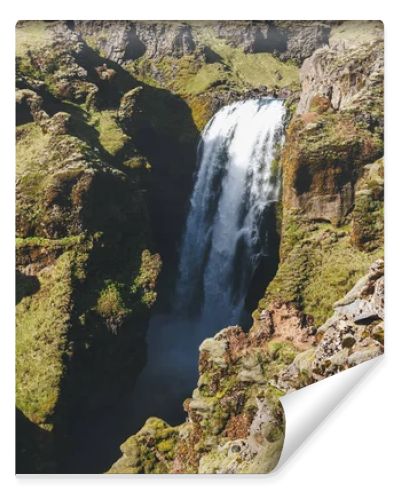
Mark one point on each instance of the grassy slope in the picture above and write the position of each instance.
(251, 70)
(190, 75)
(42, 324)
(31, 35)
(320, 267)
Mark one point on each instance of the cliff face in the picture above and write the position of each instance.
(128, 40)
(108, 121)
(333, 172)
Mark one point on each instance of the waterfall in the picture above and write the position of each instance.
(236, 185)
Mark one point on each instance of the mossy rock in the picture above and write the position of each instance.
(319, 265)
(43, 322)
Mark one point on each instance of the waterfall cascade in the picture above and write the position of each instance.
(225, 238)
(236, 185)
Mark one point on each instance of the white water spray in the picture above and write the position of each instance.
(225, 235)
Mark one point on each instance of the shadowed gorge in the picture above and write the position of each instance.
(231, 162)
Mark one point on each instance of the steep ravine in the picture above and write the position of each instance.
(108, 123)
(226, 242)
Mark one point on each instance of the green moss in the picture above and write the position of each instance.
(335, 137)
(282, 352)
(319, 266)
(368, 222)
(65, 243)
(337, 271)
(294, 228)
(207, 76)
(46, 167)
(165, 446)
(31, 143)
(111, 136)
(43, 321)
(368, 216)
(151, 450)
(31, 35)
(110, 304)
(145, 282)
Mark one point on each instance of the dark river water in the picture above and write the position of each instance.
(169, 377)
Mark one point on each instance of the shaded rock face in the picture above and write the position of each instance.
(295, 41)
(253, 36)
(304, 38)
(338, 128)
(127, 40)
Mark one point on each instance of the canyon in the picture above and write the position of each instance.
(164, 166)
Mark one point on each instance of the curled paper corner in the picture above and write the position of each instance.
(306, 408)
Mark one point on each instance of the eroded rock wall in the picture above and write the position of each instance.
(332, 171)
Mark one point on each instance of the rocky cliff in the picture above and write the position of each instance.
(235, 421)
(108, 120)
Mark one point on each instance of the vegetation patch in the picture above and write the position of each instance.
(319, 266)
(43, 321)
(252, 70)
(110, 304)
(111, 136)
(32, 35)
(146, 280)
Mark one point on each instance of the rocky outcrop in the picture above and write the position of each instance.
(332, 193)
(348, 72)
(235, 422)
(339, 124)
(288, 40)
(353, 334)
(127, 40)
